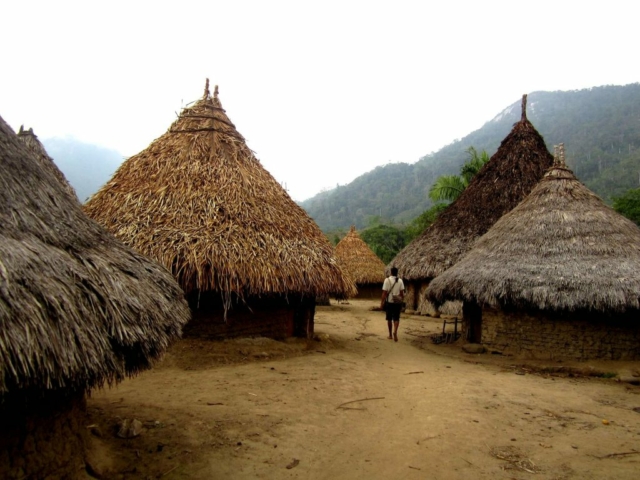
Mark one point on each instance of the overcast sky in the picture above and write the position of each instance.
(323, 91)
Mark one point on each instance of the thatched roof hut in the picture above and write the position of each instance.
(363, 266)
(198, 201)
(511, 173)
(30, 139)
(77, 310)
(562, 254)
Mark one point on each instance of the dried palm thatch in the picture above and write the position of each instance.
(561, 249)
(358, 260)
(499, 186)
(31, 141)
(77, 308)
(198, 201)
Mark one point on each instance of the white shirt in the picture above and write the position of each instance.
(393, 290)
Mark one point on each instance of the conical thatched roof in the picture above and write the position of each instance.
(499, 186)
(198, 201)
(31, 141)
(77, 308)
(358, 260)
(561, 249)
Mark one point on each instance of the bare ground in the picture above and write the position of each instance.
(356, 405)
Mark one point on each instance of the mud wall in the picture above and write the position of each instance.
(272, 317)
(578, 336)
(42, 435)
(369, 291)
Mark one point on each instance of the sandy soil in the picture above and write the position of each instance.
(355, 405)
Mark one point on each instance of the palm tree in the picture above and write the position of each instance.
(449, 187)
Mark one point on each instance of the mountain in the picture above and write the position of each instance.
(86, 166)
(599, 126)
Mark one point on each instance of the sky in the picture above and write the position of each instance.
(322, 91)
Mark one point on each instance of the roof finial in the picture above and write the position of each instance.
(215, 92)
(558, 155)
(206, 89)
(524, 107)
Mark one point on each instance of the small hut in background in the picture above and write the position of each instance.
(503, 182)
(31, 141)
(250, 260)
(361, 264)
(77, 310)
(557, 277)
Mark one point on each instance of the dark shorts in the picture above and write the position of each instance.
(393, 311)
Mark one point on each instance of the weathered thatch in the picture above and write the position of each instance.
(31, 141)
(499, 186)
(198, 201)
(359, 261)
(77, 308)
(562, 249)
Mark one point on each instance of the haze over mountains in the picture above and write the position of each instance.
(600, 128)
(86, 166)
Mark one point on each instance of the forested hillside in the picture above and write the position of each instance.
(600, 128)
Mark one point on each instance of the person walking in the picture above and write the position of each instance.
(392, 300)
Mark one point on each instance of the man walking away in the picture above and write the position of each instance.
(393, 295)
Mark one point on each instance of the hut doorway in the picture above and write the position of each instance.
(472, 317)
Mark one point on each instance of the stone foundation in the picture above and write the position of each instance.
(577, 336)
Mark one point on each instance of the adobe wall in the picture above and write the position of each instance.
(273, 317)
(42, 436)
(578, 336)
(369, 291)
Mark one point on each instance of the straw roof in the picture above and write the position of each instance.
(561, 249)
(31, 141)
(77, 308)
(358, 260)
(198, 201)
(499, 186)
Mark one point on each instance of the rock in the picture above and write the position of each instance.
(294, 463)
(129, 428)
(473, 348)
(95, 430)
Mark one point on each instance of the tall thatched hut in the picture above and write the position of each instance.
(361, 264)
(250, 260)
(77, 310)
(30, 139)
(511, 173)
(557, 277)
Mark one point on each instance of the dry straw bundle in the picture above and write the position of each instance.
(31, 141)
(561, 249)
(198, 201)
(77, 308)
(358, 260)
(499, 186)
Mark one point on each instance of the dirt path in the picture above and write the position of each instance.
(356, 405)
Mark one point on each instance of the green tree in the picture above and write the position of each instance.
(385, 241)
(449, 187)
(628, 204)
